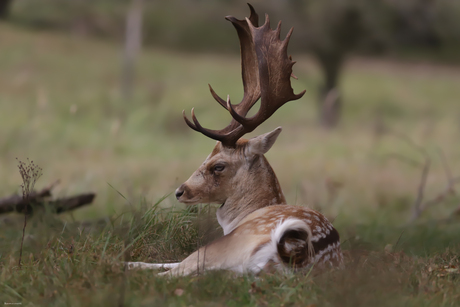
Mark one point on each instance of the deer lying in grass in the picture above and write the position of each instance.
(261, 232)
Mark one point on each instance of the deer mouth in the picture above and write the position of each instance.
(190, 203)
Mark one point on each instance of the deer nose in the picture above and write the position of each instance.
(180, 191)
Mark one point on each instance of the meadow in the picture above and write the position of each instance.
(60, 105)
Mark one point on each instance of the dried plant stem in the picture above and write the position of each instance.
(30, 173)
(23, 234)
(121, 298)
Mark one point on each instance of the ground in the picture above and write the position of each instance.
(60, 105)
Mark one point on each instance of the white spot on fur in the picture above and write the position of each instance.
(328, 249)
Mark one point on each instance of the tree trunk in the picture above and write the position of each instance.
(133, 42)
(329, 103)
(4, 8)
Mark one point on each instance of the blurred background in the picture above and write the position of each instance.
(92, 91)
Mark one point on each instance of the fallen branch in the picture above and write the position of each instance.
(71, 203)
(38, 199)
(18, 203)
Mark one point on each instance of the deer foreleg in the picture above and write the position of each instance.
(194, 264)
(226, 253)
(151, 266)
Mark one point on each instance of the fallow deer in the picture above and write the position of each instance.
(261, 232)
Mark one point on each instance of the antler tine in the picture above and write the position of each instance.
(278, 30)
(189, 123)
(217, 98)
(219, 135)
(233, 113)
(286, 42)
(253, 16)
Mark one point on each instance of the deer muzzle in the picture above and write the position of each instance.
(180, 191)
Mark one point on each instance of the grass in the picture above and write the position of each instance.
(60, 106)
(78, 265)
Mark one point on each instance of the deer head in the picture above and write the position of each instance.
(236, 174)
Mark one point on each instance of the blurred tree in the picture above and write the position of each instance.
(4, 8)
(133, 44)
(331, 29)
(423, 25)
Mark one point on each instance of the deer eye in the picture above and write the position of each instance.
(219, 167)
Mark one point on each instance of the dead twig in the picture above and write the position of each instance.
(417, 207)
(420, 205)
(450, 187)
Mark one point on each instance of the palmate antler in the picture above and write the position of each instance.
(266, 71)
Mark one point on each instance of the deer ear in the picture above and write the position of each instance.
(259, 145)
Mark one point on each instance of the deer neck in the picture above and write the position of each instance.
(258, 189)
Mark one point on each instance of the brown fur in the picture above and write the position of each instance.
(249, 174)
